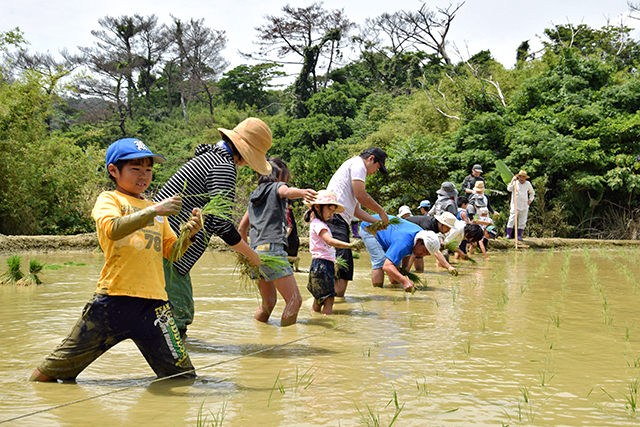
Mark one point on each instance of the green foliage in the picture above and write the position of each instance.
(247, 85)
(47, 183)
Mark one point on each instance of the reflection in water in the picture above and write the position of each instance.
(542, 338)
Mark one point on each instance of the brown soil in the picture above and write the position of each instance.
(89, 242)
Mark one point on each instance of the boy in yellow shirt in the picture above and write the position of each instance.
(130, 300)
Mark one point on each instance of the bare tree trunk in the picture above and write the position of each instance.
(184, 109)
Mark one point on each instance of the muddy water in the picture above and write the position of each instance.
(529, 338)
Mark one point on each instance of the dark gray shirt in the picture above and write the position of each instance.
(267, 215)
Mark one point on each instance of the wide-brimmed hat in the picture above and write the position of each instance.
(446, 218)
(425, 204)
(129, 149)
(379, 154)
(430, 240)
(523, 173)
(477, 168)
(326, 197)
(447, 189)
(479, 185)
(404, 210)
(252, 138)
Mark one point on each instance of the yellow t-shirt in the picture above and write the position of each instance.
(133, 264)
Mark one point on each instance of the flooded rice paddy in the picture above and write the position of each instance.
(530, 338)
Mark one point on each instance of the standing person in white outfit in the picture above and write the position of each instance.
(522, 198)
(348, 184)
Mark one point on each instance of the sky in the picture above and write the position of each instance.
(499, 26)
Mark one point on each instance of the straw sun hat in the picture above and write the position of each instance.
(252, 138)
(523, 173)
(326, 197)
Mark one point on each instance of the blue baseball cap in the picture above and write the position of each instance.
(130, 148)
(424, 204)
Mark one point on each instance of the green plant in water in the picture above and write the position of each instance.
(371, 418)
(306, 379)
(35, 267)
(555, 318)
(484, 319)
(217, 418)
(423, 388)
(13, 273)
(631, 399)
(628, 331)
(277, 383)
(249, 273)
(467, 347)
(415, 279)
(413, 318)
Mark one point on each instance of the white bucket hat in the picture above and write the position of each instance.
(404, 210)
(446, 218)
(430, 240)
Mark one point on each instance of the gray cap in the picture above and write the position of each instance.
(477, 168)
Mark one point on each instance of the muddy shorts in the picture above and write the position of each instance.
(340, 231)
(107, 320)
(321, 279)
(271, 274)
(180, 294)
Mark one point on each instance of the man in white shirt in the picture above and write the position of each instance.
(522, 194)
(348, 184)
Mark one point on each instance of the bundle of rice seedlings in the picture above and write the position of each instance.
(380, 225)
(219, 206)
(250, 273)
(452, 245)
(13, 273)
(340, 262)
(32, 278)
(358, 245)
(412, 276)
(176, 250)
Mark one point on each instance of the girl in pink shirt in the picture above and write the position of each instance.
(321, 246)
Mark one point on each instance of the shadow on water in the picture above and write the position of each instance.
(196, 346)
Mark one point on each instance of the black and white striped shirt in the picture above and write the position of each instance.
(212, 171)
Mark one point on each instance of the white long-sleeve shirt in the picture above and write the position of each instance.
(525, 193)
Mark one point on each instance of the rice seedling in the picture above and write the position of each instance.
(371, 418)
(413, 318)
(555, 318)
(380, 225)
(423, 388)
(356, 255)
(52, 267)
(633, 363)
(628, 331)
(466, 347)
(176, 250)
(277, 383)
(631, 399)
(306, 379)
(32, 278)
(218, 417)
(74, 264)
(358, 245)
(484, 319)
(13, 273)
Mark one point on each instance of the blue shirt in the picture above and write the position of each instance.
(396, 240)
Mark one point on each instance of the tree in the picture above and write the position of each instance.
(610, 43)
(198, 49)
(154, 41)
(429, 28)
(305, 33)
(245, 85)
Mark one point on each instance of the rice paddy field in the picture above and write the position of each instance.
(530, 338)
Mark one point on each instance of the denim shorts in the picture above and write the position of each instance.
(378, 256)
(276, 250)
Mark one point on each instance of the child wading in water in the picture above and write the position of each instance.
(266, 217)
(321, 244)
(130, 300)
